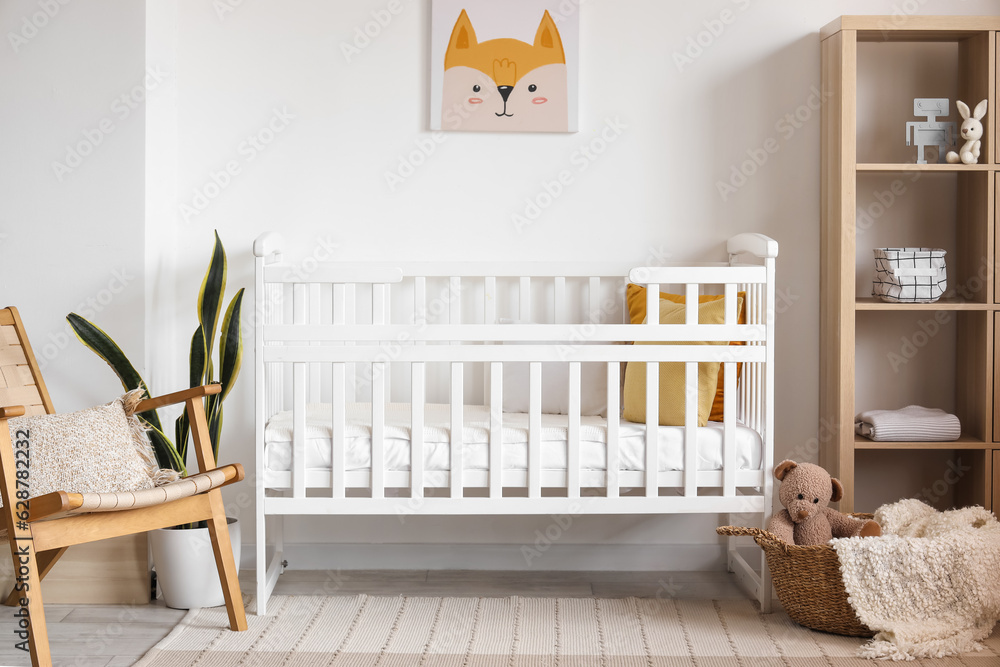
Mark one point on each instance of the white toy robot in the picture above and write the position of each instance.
(930, 132)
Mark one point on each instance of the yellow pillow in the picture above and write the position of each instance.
(672, 375)
(636, 298)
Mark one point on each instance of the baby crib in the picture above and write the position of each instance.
(476, 388)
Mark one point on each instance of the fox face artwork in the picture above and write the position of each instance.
(505, 84)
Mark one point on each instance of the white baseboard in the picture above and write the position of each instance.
(557, 557)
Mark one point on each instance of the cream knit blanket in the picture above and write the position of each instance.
(930, 587)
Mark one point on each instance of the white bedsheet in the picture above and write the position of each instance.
(437, 438)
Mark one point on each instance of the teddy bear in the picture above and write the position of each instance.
(806, 490)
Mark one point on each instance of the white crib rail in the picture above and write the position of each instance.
(337, 341)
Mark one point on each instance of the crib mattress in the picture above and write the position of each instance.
(476, 430)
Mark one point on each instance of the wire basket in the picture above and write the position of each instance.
(808, 580)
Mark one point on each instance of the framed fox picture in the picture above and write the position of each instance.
(505, 65)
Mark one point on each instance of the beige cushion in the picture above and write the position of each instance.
(672, 375)
(97, 450)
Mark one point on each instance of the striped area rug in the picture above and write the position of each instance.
(526, 632)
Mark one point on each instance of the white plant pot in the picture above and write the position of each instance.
(185, 565)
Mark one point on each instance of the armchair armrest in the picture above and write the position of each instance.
(178, 397)
(12, 411)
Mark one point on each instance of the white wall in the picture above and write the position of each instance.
(72, 236)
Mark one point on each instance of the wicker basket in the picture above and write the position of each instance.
(808, 582)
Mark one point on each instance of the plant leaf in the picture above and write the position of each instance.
(198, 358)
(213, 286)
(231, 345)
(181, 430)
(215, 424)
(166, 453)
(93, 337)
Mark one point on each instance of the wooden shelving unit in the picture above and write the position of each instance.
(871, 66)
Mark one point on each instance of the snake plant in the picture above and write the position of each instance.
(173, 453)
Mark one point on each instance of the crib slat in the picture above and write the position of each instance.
(299, 311)
(691, 429)
(339, 304)
(380, 301)
(729, 463)
(573, 433)
(761, 305)
(653, 304)
(496, 429)
(417, 430)
(457, 427)
(339, 408)
(351, 309)
(691, 304)
(524, 300)
(560, 314)
(652, 427)
(378, 430)
(490, 300)
(420, 300)
(731, 311)
(315, 377)
(595, 299)
(535, 430)
(612, 466)
(299, 430)
(455, 300)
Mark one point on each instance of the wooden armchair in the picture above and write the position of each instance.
(60, 520)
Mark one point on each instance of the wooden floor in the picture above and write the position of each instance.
(116, 636)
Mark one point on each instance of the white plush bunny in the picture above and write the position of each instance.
(972, 132)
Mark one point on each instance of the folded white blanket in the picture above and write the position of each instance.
(929, 586)
(911, 424)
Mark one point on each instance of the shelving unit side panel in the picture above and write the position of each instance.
(996, 379)
(995, 482)
(994, 222)
(838, 200)
(970, 270)
(973, 381)
(976, 81)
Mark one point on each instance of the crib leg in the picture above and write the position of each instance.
(765, 586)
(730, 545)
(261, 558)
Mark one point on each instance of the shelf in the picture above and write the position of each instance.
(886, 166)
(871, 303)
(964, 442)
